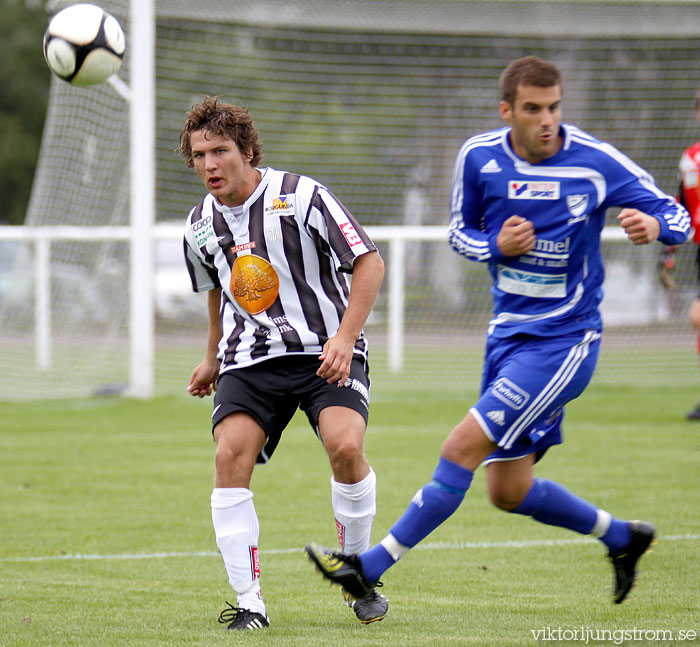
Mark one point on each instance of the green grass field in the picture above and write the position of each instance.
(106, 539)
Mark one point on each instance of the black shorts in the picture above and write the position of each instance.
(271, 392)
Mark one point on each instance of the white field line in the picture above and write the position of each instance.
(459, 545)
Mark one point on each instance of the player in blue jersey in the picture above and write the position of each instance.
(530, 201)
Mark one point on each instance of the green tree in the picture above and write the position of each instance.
(24, 90)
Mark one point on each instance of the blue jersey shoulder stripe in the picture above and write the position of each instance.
(492, 138)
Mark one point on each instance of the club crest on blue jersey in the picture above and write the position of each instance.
(525, 190)
(577, 205)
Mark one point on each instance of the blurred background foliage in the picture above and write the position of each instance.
(24, 92)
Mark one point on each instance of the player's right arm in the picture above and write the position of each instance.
(203, 379)
(468, 234)
(203, 274)
(516, 237)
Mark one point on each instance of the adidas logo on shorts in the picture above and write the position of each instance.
(499, 417)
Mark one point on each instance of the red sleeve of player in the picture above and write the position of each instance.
(689, 190)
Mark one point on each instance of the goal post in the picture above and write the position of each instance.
(142, 199)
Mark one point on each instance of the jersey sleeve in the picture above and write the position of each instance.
(466, 234)
(335, 230)
(631, 186)
(689, 189)
(200, 266)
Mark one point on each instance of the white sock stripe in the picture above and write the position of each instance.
(602, 523)
(393, 547)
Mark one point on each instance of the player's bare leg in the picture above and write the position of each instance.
(465, 448)
(508, 482)
(239, 440)
(353, 494)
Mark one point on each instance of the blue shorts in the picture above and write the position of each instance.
(526, 383)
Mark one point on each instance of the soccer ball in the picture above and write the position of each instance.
(84, 45)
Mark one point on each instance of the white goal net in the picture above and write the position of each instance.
(374, 99)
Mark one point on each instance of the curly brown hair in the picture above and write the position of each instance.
(528, 71)
(224, 119)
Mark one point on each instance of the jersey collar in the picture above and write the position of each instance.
(242, 208)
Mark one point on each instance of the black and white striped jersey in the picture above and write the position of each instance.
(282, 260)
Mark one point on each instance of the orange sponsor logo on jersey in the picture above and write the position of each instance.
(254, 283)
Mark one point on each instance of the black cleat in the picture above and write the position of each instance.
(341, 569)
(694, 414)
(242, 619)
(371, 608)
(625, 559)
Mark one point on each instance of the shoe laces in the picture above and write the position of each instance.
(230, 614)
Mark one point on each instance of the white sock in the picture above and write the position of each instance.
(354, 507)
(237, 529)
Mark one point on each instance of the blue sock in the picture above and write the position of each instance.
(550, 503)
(432, 504)
(617, 536)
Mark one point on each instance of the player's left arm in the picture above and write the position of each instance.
(641, 228)
(649, 214)
(670, 227)
(336, 356)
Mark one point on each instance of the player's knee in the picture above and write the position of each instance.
(505, 497)
(229, 455)
(224, 458)
(345, 451)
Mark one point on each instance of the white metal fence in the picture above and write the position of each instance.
(391, 327)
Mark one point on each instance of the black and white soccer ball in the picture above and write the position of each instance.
(84, 44)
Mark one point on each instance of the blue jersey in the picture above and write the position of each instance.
(556, 287)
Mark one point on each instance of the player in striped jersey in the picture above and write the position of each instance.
(530, 201)
(273, 250)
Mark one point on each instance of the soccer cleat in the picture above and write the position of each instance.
(345, 570)
(242, 619)
(371, 608)
(694, 414)
(625, 559)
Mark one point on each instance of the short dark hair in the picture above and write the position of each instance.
(224, 119)
(528, 71)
